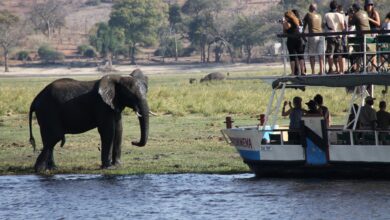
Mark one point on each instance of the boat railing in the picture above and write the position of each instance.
(335, 136)
(355, 51)
(359, 137)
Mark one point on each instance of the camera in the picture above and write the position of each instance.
(281, 20)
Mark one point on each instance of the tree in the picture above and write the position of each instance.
(140, 20)
(202, 29)
(247, 33)
(48, 15)
(174, 19)
(11, 34)
(107, 40)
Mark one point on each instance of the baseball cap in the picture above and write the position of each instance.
(368, 2)
(369, 98)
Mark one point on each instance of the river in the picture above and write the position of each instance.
(190, 196)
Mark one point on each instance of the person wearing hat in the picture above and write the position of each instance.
(313, 109)
(373, 15)
(367, 116)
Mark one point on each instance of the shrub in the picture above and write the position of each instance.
(22, 55)
(188, 51)
(89, 53)
(49, 55)
(86, 51)
(92, 2)
(169, 48)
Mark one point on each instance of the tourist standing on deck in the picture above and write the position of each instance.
(315, 45)
(334, 22)
(294, 43)
(360, 20)
(386, 23)
(375, 24)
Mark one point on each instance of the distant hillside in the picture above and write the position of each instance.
(82, 18)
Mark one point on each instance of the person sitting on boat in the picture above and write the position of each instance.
(295, 114)
(367, 115)
(323, 109)
(313, 109)
(383, 117)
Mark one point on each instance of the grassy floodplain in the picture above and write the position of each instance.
(184, 137)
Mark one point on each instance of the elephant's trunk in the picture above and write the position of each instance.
(143, 123)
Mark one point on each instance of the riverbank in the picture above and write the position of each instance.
(149, 69)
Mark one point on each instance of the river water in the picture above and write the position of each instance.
(190, 196)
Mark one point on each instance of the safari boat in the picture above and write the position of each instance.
(337, 151)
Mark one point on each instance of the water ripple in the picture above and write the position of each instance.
(190, 196)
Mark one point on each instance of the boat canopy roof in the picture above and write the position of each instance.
(345, 80)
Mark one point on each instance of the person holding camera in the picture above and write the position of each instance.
(295, 114)
(295, 44)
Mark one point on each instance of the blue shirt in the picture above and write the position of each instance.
(295, 118)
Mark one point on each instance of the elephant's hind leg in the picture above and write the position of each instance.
(45, 159)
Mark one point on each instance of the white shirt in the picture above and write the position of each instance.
(334, 22)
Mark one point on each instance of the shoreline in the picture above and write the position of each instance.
(63, 71)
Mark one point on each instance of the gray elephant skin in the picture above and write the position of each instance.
(213, 76)
(68, 106)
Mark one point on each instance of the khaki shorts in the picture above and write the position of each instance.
(315, 46)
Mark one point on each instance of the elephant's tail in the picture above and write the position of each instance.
(32, 140)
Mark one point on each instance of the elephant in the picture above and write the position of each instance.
(68, 106)
(213, 76)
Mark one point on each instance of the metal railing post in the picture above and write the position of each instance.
(364, 54)
(284, 56)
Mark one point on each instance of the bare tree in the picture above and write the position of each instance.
(12, 31)
(49, 15)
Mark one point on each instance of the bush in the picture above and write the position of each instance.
(169, 49)
(49, 55)
(86, 51)
(89, 53)
(188, 51)
(92, 2)
(22, 55)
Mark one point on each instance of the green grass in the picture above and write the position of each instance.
(184, 137)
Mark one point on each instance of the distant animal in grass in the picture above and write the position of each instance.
(213, 77)
(192, 80)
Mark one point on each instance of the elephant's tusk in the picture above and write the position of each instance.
(152, 113)
(138, 115)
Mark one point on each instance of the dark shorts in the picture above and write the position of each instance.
(295, 48)
(333, 45)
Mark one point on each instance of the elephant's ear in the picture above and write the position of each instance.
(107, 89)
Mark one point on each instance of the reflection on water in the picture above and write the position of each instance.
(190, 196)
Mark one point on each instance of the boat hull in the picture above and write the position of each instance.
(299, 169)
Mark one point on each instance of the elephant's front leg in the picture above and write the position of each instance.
(107, 133)
(116, 150)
